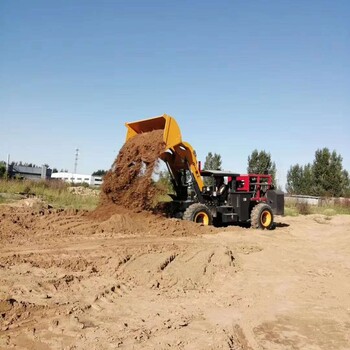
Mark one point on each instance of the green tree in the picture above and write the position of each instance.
(2, 169)
(324, 177)
(212, 162)
(328, 173)
(295, 179)
(99, 172)
(300, 179)
(308, 182)
(345, 183)
(261, 163)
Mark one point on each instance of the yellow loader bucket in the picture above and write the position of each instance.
(183, 156)
(171, 130)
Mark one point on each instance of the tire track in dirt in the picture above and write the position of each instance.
(155, 289)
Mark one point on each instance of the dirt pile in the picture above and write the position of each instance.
(17, 225)
(128, 195)
(129, 182)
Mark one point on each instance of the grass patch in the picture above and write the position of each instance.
(303, 208)
(55, 193)
(290, 211)
(2, 199)
(297, 208)
(329, 210)
(9, 197)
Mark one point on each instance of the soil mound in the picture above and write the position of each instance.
(128, 195)
(129, 182)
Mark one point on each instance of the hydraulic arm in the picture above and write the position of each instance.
(179, 155)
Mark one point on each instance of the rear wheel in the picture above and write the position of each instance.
(198, 213)
(262, 216)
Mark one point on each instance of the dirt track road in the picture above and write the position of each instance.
(134, 282)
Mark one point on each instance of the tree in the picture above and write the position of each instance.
(328, 173)
(308, 182)
(54, 170)
(295, 179)
(99, 172)
(261, 163)
(30, 165)
(300, 179)
(212, 162)
(324, 177)
(345, 183)
(2, 169)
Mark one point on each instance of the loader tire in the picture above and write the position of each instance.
(262, 217)
(198, 213)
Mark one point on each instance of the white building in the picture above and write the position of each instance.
(78, 178)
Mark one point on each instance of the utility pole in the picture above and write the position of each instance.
(76, 160)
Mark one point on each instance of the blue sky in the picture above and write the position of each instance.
(236, 75)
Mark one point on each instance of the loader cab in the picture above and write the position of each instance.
(221, 183)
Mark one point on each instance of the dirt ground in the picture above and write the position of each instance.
(137, 281)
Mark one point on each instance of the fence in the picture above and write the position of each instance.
(319, 201)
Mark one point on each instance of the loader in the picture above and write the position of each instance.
(232, 198)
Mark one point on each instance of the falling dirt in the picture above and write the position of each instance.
(129, 183)
(128, 194)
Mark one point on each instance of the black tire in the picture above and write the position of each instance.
(198, 213)
(262, 217)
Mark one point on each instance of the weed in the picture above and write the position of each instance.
(26, 190)
(290, 211)
(329, 212)
(303, 208)
(54, 192)
(328, 209)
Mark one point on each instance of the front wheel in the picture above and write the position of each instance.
(262, 216)
(198, 213)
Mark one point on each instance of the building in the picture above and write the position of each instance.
(78, 178)
(29, 172)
